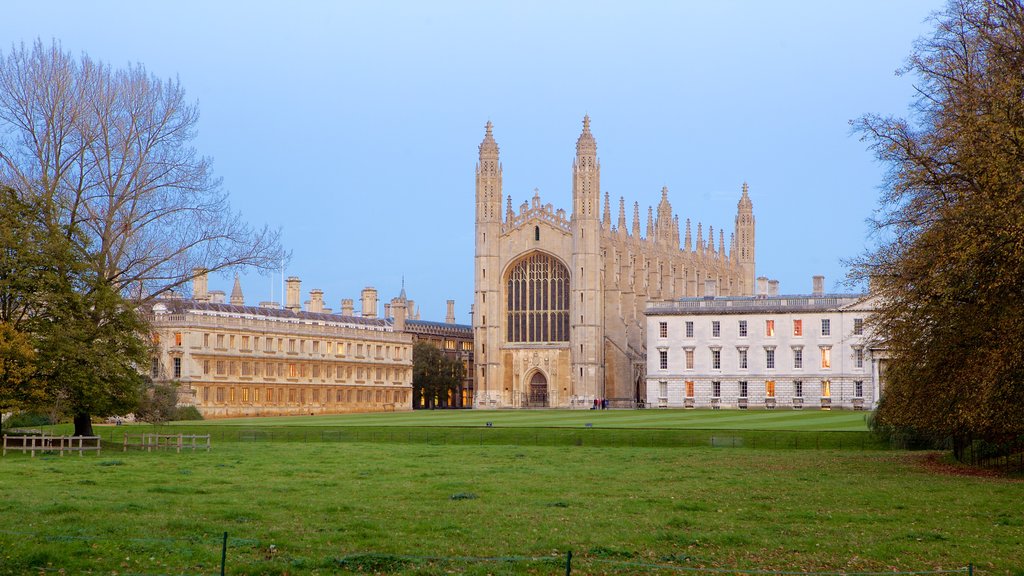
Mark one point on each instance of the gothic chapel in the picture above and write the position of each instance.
(559, 299)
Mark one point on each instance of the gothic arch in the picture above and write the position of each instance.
(536, 385)
(536, 297)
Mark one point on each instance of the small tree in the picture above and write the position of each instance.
(951, 256)
(158, 402)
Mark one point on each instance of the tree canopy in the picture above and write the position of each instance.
(102, 159)
(948, 267)
(434, 375)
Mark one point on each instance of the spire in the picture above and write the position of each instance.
(650, 224)
(675, 232)
(636, 219)
(663, 225)
(721, 243)
(488, 180)
(508, 209)
(689, 244)
(488, 148)
(607, 213)
(236, 293)
(622, 217)
(711, 239)
(700, 238)
(586, 178)
(585, 144)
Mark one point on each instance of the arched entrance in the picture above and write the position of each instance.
(537, 394)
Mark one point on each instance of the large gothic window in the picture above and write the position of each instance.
(537, 294)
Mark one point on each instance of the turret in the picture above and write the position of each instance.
(236, 293)
(486, 271)
(745, 242)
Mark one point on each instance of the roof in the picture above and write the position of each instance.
(431, 327)
(182, 306)
(756, 304)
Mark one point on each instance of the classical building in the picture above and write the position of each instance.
(767, 351)
(236, 360)
(559, 297)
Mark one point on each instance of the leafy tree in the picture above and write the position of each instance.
(158, 403)
(106, 156)
(434, 375)
(950, 259)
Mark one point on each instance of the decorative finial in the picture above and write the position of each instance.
(586, 122)
(745, 188)
(488, 127)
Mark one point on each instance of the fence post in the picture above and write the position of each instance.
(970, 569)
(568, 563)
(224, 554)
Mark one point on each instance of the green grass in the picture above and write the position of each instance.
(355, 507)
(818, 420)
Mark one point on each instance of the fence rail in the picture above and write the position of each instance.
(149, 441)
(41, 443)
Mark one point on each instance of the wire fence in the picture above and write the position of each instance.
(207, 554)
(484, 436)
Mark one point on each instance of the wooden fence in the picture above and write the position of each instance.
(61, 444)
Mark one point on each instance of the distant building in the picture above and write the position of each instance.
(559, 296)
(767, 351)
(235, 360)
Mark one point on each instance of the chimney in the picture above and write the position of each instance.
(398, 308)
(387, 309)
(200, 285)
(269, 304)
(412, 312)
(762, 286)
(818, 285)
(292, 293)
(346, 307)
(709, 289)
(369, 302)
(217, 296)
(316, 300)
(773, 287)
(449, 318)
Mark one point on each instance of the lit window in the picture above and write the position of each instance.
(177, 338)
(858, 326)
(769, 328)
(689, 359)
(663, 359)
(826, 357)
(663, 329)
(826, 388)
(798, 327)
(689, 329)
(689, 388)
(716, 329)
(769, 388)
(826, 327)
(716, 359)
(537, 295)
(156, 338)
(743, 328)
(743, 388)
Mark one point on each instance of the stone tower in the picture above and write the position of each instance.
(486, 267)
(587, 297)
(745, 242)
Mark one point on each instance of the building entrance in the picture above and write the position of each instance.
(537, 397)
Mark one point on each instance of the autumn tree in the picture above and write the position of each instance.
(949, 264)
(434, 375)
(107, 154)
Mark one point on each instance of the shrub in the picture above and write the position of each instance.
(187, 413)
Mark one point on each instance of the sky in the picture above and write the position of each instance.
(354, 126)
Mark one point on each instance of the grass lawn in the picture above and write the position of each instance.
(313, 508)
(818, 420)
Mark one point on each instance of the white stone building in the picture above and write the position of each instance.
(766, 351)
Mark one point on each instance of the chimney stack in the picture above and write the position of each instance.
(316, 300)
(347, 307)
(450, 316)
(217, 296)
(773, 287)
(818, 285)
(369, 302)
(762, 286)
(200, 285)
(292, 291)
(399, 310)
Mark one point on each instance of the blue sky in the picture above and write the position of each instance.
(354, 126)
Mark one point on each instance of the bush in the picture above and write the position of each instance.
(187, 413)
(27, 420)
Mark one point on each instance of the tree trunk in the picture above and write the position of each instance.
(83, 425)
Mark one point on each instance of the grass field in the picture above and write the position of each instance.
(429, 508)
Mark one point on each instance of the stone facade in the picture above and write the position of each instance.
(800, 351)
(233, 360)
(559, 297)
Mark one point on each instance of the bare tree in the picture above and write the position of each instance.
(111, 149)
